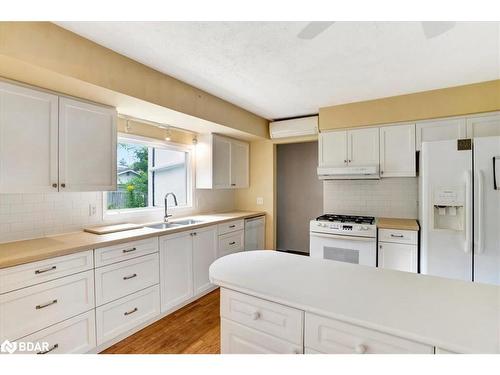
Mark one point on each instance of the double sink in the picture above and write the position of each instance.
(174, 224)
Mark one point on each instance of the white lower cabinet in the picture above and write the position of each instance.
(204, 254)
(398, 249)
(125, 314)
(31, 309)
(73, 336)
(311, 351)
(239, 339)
(332, 336)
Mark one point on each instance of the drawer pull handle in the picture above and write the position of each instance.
(38, 307)
(129, 250)
(131, 311)
(255, 315)
(129, 277)
(232, 243)
(55, 346)
(360, 349)
(232, 226)
(38, 272)
(397, 235)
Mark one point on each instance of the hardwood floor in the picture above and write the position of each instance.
(194, 329)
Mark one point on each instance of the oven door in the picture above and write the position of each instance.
(351, 249)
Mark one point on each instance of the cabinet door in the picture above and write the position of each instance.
(333, 149)
(239, 164)
(176, 269)
(439, 130)
(28, 140)
(87, 146)
(397, 256)
(397, 151)
(204, 253)
(483, 126)
(363, 146)
(221, 162)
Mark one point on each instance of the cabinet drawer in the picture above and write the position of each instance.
(126, 313)
(238, 339)
(45, 270)
(231, 243)
(231, 226)
(120, 279)
(335, 337)
(399, 236)
(73, 336)
(117, 253)
(28, 310)
(269, 317)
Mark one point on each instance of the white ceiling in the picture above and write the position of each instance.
(265, 68)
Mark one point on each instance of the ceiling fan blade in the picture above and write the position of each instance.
(313, 29)
(433, 29)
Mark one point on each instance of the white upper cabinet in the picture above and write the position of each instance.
(87, 146)
(486, 125)
(440, 130)
(50, 143)
(363, 147)
(332, 149)
(28, 140)
(221, 163)
(357, 147)
(397, 151)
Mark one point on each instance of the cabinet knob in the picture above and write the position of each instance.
(54, 185)
(233, 184)
(255, 315)
(349, 161)
(381, 172)
(345, 161)
(360, 349)
(63, 185)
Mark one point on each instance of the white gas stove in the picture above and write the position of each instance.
(344, 238)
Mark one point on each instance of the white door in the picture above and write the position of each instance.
(363, 147)
(204, 254)
(397, 256)
(446, 248)
(440, 130)
(333, 149)
(397, 151)
(484, 126)
(28, 140)
(176, 269)
(221, 162)
(87, 146)
(487, 210)
(239, 164)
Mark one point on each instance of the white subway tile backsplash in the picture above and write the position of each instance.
(390, 197)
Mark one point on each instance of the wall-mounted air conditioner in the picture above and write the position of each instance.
(298, 127)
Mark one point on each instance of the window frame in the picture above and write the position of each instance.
(141, 211)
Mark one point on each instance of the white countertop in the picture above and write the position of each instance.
(454, 315)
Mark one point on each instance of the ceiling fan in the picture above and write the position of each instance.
(431, 29)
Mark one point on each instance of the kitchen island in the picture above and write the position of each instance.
(274, 302)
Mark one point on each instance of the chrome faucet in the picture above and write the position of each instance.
(165, 218)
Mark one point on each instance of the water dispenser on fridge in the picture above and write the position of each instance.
(448, 208)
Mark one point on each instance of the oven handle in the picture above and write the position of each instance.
(346, 238)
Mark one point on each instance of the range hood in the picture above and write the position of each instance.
(370, 172)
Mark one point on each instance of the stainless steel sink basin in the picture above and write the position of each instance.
(174, 224)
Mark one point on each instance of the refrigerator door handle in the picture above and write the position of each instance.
(468, 221)
(480, 208)
(495, 185)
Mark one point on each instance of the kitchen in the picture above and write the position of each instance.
(133, 208)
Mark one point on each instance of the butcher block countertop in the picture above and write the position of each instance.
(454, 315)
(20, 252)
(401, 224)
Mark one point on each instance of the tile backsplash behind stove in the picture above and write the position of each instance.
(390, 197)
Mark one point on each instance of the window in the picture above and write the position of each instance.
(146, 171)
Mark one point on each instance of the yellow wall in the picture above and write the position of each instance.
(453, 101)
(262, 184)
(40, 52)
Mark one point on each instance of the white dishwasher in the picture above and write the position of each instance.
(255, 233)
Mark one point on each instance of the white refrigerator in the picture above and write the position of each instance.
(460, 213)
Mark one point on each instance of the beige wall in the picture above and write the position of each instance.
(453, 101)
(150, 131)
(262, 184)
(49, 56)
